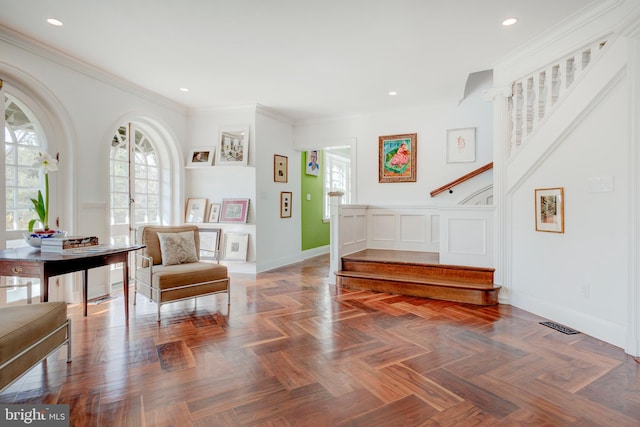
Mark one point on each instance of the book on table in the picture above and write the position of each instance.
(62, 244)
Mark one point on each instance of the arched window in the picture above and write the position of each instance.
(24, 139)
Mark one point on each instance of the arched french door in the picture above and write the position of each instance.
(135, 186)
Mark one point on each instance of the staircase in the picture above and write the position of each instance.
(417, 274)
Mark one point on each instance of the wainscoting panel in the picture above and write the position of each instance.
(467, 235)
(435, 230)
(353, 230)
(405, 228)
(413, 228)
(383, 227)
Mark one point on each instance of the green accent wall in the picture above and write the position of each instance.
(315, 232)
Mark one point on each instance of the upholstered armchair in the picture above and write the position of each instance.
(168, 269)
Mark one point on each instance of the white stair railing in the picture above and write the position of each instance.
(533, 95)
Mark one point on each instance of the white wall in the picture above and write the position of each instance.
(219, 182)
(279, 239)
(579, 278)
(585, 277)
(84, 109)
(431, 124)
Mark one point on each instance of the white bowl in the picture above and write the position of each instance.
(35, 238)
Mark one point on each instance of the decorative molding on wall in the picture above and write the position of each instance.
(467, 235)
(273, 114)
(403, 228)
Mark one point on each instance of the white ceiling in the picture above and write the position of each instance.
(303, 58)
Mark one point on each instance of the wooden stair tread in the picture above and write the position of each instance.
(416, 280)
(417, 274)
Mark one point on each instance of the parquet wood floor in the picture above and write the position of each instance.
(295, 351)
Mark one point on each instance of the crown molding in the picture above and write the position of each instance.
(63, 59)
(246, 108)
(274, 114)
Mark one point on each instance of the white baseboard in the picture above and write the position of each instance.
(613, 333)
(310, 253)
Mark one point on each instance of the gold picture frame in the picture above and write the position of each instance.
(280, 168)
(285, 204)
(549, 206)
(397, 158)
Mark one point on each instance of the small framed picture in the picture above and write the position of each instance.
(214, 212)
(210, 243)
(195, 211)
(233, 146)
(235, 246)
(285, 204)
(280, 168)
(461, 145)
(397, 158)
(312, 164)
(549, 203)
(201, 156)
(234, 210)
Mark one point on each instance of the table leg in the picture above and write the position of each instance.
(125, 286)
(85, 290)
(44, 284)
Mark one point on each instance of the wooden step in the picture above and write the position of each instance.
(417, 274)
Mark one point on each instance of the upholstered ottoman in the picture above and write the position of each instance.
(28, 334)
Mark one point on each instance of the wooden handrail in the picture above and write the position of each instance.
(462, 179)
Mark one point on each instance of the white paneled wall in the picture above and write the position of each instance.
(462, 235)
(404, 228)
(467, 235)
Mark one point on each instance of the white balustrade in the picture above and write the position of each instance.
(535, 94)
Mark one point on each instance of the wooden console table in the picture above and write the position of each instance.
(31, 262)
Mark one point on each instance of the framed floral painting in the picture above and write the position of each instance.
(397, 158)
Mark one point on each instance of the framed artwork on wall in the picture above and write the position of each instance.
(312, 164)
(214, 212)
(549, 205)
(201, 156)
(285, 204)
(210, 243)
(195, 210)
(461, 145)
(234, 210)
(397, 158)
(233, 146)
(280, 168)
(235, 246)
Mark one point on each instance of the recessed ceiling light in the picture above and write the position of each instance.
(55, 22)
(184, 89)
(393, 93)
(509, 21)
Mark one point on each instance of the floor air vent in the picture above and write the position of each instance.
(560, 328)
